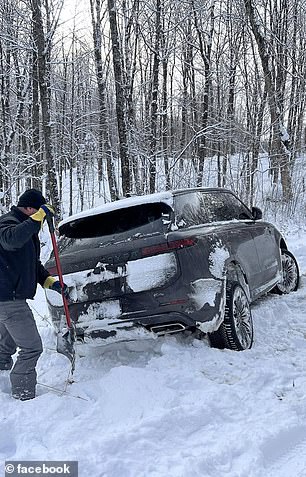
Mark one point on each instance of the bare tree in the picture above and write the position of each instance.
(104, 147)
(120, 98)
(43, 75)
(274, 75)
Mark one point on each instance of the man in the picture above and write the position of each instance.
(20, 272)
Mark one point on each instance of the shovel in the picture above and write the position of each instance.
(66, 337)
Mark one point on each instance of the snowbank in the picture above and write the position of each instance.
(172, 407)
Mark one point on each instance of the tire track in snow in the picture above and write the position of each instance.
(285, 454)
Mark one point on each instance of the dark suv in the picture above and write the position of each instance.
(190, 259)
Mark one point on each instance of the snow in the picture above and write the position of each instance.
(165, 197)
(217, 260)
(151, 272)
(172, 406)
(205, 290)
(78, 281)
(142, 274)
(284, 133)
(100, 311)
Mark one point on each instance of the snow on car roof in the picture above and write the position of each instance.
(166, 197)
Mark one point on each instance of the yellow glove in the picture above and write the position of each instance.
(49, 281)
(40, 215)
(53, 284)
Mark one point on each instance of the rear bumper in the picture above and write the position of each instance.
(91, 320)
(80, 311)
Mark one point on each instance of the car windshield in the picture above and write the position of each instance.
(206, 207)
(142, 219)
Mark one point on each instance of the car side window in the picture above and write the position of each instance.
(206, 207)
(188, 210)
(223, 206)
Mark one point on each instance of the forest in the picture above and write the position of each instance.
(156, 95)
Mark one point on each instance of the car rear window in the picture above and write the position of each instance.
(143, 219)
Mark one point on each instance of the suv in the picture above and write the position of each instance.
(192, 259)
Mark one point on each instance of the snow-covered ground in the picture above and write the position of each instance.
(172, 407)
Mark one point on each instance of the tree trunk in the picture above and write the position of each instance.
(43, 81)
(120, 99)
(104, 145)
(154, 99)
(37, 170)
(279, 136)
(205, 51)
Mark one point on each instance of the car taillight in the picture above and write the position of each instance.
(166, 247)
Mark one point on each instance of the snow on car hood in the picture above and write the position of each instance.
(166, 197)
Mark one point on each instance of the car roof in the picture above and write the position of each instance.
(165, 197)
(201, 189)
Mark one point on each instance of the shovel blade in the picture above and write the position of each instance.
(65, 345)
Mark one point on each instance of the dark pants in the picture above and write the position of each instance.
(18, 330)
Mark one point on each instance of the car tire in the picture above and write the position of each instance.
(290, 275)
(236, 331)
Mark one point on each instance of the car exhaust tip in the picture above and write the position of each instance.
(167, 328)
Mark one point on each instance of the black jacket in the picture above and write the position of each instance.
(20, 266)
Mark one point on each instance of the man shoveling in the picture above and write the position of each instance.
(21, 271)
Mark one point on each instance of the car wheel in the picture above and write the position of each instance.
(236, 331)
(290, 274)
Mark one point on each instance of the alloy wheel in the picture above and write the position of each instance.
(242, 318)
(290, 273)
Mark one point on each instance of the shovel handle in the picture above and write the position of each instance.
(59, 268)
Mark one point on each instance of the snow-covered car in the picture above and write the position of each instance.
(192, 259)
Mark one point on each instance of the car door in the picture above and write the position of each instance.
(253, 242)
(239, 240)
(264, 245)
(267, 251)
(222, 210)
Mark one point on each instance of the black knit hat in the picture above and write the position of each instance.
(31, 198)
